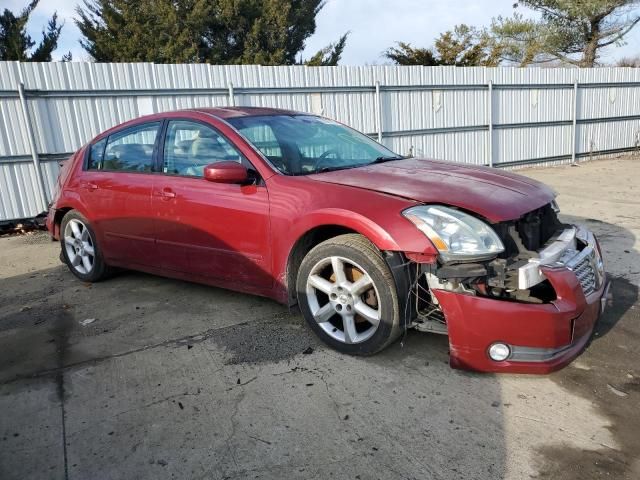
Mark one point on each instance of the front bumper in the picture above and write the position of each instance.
(541, 337)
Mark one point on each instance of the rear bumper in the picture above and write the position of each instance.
(50, 223)
(541, 337)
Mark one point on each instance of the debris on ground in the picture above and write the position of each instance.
(617, 391)
(28, 227)
(87, 321)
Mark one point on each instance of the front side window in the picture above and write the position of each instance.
(304, 144)
(191, 146)
(96, 155)
(131, 150)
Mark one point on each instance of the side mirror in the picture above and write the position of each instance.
(226, 172)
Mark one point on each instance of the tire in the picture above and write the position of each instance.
(357, 312)
(80, 250)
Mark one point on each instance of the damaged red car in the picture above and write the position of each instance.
(368, 243)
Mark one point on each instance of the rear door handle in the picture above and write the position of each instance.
(90, 186)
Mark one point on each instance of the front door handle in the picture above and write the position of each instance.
(167, 193)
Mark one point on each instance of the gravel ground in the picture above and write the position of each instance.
(145, 377)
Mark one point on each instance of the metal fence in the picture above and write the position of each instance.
(485, 116)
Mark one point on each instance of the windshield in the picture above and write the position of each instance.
(304, 144)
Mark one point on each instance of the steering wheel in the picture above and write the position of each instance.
(324, 157)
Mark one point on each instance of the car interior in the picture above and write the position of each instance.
(190, 156)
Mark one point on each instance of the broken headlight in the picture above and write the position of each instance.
(457, 235)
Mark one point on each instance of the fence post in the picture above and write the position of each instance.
(378, 111)
(28, 127)
(574, 123)
(232, 98)
(490, 122)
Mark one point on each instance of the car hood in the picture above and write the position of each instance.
(494, 194)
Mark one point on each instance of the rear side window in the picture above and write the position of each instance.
(128, 151)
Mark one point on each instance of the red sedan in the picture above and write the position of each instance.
(307, 211)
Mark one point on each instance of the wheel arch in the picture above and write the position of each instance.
(302, 246)
(323, 225)
(72, 202)
(57, 220)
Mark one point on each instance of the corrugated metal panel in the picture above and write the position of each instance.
(12, 141)
(440, 112)
(524, 144)
(594, 137)
(19, 193)
(466, 147)
(532, 105)
(608, 102)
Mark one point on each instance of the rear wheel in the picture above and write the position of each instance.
(348, 296)
(80, 250)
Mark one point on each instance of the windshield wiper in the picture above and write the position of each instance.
(387, 159)
(345, 167)
(333, 169)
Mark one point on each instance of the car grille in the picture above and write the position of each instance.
(586, 274)
(587, 266)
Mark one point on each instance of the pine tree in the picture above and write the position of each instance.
(330, 55)
(265, 32)
(161, 31)
(17, 44)
(463, 46)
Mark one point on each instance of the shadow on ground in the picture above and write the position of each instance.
(174, 379)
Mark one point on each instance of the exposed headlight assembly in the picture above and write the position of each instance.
(457, 235)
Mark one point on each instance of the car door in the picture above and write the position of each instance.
(213, 230)
(116, 188)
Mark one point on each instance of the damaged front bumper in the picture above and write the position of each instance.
(540, 337)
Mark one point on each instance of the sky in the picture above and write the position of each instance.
(375, 25)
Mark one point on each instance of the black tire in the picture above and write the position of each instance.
(99, 269)
(357, 249)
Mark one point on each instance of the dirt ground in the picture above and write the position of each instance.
(144, 377)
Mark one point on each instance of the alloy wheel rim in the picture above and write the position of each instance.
(79, 246)
(344, 300)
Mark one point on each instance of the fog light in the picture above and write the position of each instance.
(499, 352)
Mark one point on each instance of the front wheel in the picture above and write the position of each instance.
(348, 296)
(80, 251)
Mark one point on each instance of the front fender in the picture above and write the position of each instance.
(347, 219)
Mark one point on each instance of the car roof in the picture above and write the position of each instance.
(233, 112)
(221, 112)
